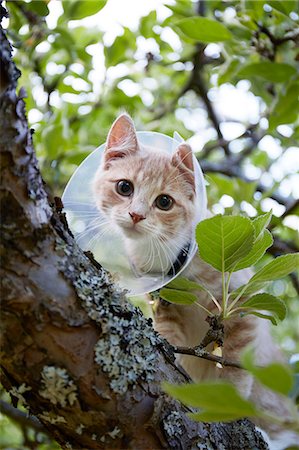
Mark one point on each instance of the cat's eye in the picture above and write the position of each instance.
(124, 187)
(164, 202)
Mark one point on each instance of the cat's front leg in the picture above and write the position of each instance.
(238, 334)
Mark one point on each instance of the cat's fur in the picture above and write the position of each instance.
(154, 173)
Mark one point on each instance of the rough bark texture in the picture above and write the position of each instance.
(83, 360)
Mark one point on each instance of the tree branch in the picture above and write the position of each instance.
(198, 86)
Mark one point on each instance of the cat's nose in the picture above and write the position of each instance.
(136, 217)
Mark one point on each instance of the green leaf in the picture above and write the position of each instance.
(277, 268)
(79, 9)
(258, 250)
(261, 222)
(261, 315)
(286, 108)
(53, 140)
(203, 29)
(178, 297)
(181, 8)
(270, 71)
(220, 401)
(147, 23)
(39, 7)
(285, 6)
(224, 240)
(277, 377)
(263, 240)
(118, 51)
(228, 70)
(265, 302)
(183, 284)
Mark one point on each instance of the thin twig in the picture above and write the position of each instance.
(21, 417)
(227, 167)
(200, 353)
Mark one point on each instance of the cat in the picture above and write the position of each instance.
(154, 217)
(149, 196)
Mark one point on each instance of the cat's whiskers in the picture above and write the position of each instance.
(75, 203)
(151, 258)
(92, 226)
(98, 236)
(87, 214)
(177, 234)
(163, 269)
(165, 249)
(165, 243)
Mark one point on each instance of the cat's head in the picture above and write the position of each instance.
(145, 192)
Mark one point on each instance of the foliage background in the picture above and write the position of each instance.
(233, 93)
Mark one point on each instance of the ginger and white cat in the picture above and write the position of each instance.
(150, 197)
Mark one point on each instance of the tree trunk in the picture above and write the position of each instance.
(86, 363)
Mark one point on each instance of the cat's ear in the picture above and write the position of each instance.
(183, 160)
(122, 139)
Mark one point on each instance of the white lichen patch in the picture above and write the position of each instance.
(172, 424)
(116, 432)
(51, 417)
(80, 429)
(18, 393)
(122, 355)
(126, 349)
(57, 386)
(113, 434)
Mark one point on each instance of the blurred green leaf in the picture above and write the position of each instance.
(147, 23)
(203, 29)
(286, 108)
(285, 6)
(219, 401)
(224, 240)
(228, 70)
(38, 6)
(270, 71)
(181, 8)
(123, 47)
(78, 9)
(53, 139)
(275, 376)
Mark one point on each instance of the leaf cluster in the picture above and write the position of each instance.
(230, 244)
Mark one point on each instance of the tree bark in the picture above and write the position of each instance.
(83, 360)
